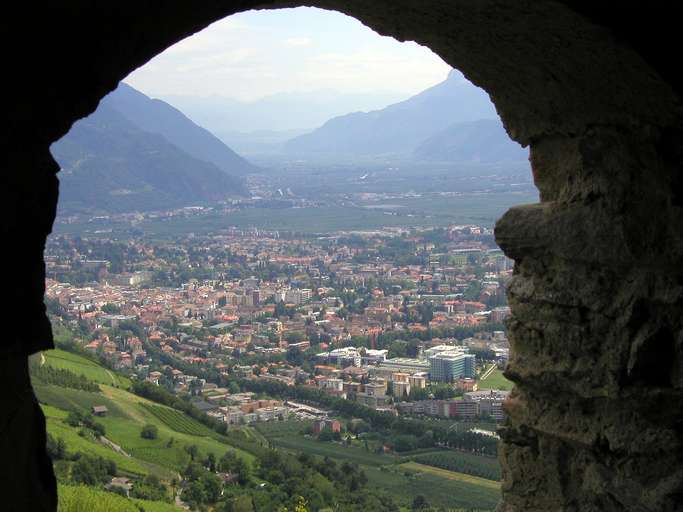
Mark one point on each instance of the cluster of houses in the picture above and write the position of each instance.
(292, 302)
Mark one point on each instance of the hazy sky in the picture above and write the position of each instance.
(259, 53)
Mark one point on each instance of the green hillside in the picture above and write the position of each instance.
(67, 404)
(321, 471)
(80, 498)
(82, 366)
(127, 415)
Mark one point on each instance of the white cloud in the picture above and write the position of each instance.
(298, 41)
(249, 55)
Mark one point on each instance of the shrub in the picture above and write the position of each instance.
(149, 431)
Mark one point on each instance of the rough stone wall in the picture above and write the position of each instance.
(597, 328)
(597, 295)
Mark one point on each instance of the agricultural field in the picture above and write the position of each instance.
(496, 380)
(405, 483)
(79, 498)
(282, 428)
(169, 447)
(178, 421)
(58, 429)
(83, 366)
(127, 415)
(400, 476)
(334, 450)
(461, 462)
(428, 210)
(451, 475)
(73, 399)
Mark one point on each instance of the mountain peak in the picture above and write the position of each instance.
(157, 116)
(400, 127)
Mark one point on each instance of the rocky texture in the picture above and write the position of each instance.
(597, 294)
(596, 419)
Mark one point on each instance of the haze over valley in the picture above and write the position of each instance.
(137, 153)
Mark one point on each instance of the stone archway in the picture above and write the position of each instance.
(597, 329)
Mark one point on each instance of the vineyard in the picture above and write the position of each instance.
(451, 475)
(178, 421)
(484, 467)
(79, 498)
(81, 365)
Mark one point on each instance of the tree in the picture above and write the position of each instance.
(194, 493)
(56, 449)
(241, 503)
(150, 488)
(420, 502)
(192, 450)
(111, 309)
(98, 429)
(92, 470)
(211, 462)
(74, 418)
(149, 431)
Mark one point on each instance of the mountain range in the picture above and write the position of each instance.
(444, 122)
(139, 153)
(136, 153)
(484, 140)
(281, 112)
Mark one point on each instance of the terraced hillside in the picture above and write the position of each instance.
(81, 365)
(179, 438)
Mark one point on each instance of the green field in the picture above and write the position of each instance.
(451, 475)
(461, 462)
(124, 429)
(178, 421)
(405, 484)
(73, 399)
(496, 380)
(333, 450)
(75, 443)
(79, 498)
(127, 415)
(429, 210)
(282, 428)
(399, 476)
(83, 366)
(287, 434)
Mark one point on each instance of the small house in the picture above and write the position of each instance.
(100, 410)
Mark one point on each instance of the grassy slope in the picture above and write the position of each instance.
(125, 419)
(78, 498)
(82, 366)
(75, 443)
(405, 484)
(124, 429)
(451, 475)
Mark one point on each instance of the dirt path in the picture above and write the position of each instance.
(113, 446)
(180, 503)
(113, 379)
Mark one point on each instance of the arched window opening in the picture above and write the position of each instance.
(289, 204)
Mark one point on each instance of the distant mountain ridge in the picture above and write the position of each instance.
(400, 127)
(484, 140)
(451, 121)
(110, 163)
(156, 116)
(280, 112)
